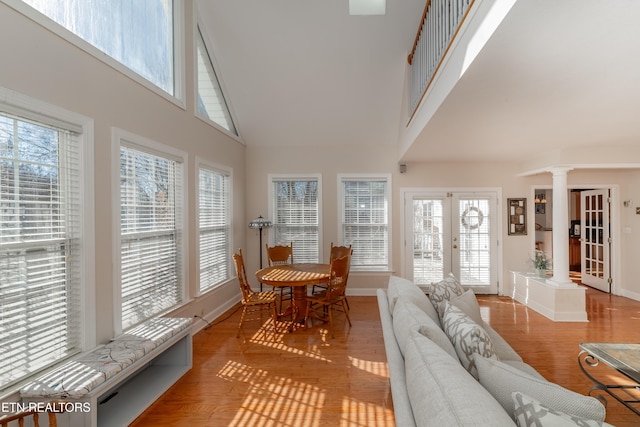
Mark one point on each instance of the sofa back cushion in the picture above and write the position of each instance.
(468, 303)
(400, 286)
(503, 350)
(408, 317)
(501, 380)
(530, 412)
(442, 393)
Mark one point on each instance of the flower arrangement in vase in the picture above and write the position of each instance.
(541, 263)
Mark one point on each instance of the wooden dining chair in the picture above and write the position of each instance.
(32, 418)
(280, 255)
(335, 252)
(252, 300)
(321, 305)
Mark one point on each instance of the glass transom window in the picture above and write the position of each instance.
(139, 34)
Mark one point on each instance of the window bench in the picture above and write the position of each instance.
(114, 383)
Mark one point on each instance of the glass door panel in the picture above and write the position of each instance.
(428, 236)
(595, 239)
(472, 251)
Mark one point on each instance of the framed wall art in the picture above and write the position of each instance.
(517, 215)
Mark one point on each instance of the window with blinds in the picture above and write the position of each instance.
(150, 234)
(40, 246)
(214, 204)
(212, 104)
(295, 207)
(365, 203)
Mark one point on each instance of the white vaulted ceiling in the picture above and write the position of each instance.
(306, 73)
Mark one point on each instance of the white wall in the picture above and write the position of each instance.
(630, 246)
(516, 251)
(43, 66)
(329, 162)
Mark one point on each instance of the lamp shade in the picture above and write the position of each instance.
(260, 223)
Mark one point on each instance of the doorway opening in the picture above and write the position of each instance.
(589, 229)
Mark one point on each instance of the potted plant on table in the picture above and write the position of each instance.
(541, 264)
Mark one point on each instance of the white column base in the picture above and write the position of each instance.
(565, 302)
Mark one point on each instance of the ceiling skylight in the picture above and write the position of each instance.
(367, 7)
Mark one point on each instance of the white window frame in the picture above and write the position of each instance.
(271, 207)
(216, 168)
(179, 83)
(200, 30)
(342, 178)
(21, 105)
(121, 137)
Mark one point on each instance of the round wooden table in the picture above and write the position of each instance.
(296, 276)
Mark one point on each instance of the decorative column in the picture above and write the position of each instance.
(560, 219)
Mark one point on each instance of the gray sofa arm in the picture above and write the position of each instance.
(397, 376)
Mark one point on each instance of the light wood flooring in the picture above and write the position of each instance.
(308, 379)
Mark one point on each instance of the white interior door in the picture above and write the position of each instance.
(452, 232)
(595, 243)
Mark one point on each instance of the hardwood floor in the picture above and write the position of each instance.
(305, 378)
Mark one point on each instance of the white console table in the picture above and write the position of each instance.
(566, 303)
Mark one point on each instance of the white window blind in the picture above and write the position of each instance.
(40, 246)
(211, 101)
(151, 259)
(295, 212)
(365, 221)
(215, 227)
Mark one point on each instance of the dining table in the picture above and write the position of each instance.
(298, 277)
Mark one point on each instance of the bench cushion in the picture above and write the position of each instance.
(78, 377)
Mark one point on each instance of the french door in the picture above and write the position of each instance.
(595, 244)
(452, 232)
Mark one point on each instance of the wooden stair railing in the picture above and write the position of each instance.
(440, 23)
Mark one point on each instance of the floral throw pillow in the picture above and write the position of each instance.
(529, 412)
(467, 338)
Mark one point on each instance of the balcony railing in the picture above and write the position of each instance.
(440, 23)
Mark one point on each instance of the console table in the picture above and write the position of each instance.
(623, 358)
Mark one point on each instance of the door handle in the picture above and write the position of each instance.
(455, 246)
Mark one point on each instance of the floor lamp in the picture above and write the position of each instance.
(260, 223)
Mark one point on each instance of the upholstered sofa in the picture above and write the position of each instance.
(449, 368)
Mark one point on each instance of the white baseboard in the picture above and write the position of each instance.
(630, 294)
(362, 292)
(199, 324)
